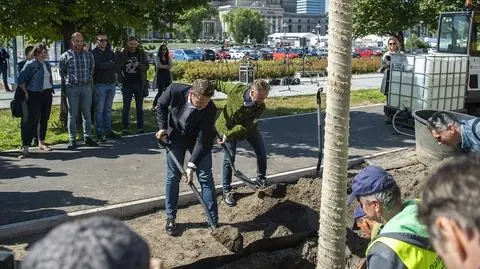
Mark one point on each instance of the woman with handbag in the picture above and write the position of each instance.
(35, 80)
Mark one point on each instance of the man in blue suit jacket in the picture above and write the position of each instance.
(188, 126)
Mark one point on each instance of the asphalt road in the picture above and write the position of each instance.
(133, 168)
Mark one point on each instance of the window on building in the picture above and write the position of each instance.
(289, 28)
(308, 21)
(299, 28)
(299, 20)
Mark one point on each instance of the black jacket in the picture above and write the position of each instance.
(198, 134)
(105, 66)
(142, 67)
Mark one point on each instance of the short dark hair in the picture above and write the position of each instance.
(452, 191)
(99, 33)
(440, 121)
(203, 87)
(28, 49)
(96, 243)
(130, 38)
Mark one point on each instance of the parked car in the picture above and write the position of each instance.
(355, 54)
(222, 54)
(322, 53)
(236, 54)
(185, 55)
(266, 54)
(279, 54)
(367, 52)
(253, 55)
(209, 55)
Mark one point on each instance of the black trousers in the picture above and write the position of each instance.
(135, 91)
(3, 69)
(39, 105)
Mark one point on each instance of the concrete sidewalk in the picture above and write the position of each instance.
(52, 183)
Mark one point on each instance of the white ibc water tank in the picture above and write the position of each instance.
(428, 82)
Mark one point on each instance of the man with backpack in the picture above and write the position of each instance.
(463, 135)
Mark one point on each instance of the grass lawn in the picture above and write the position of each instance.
(279, 106)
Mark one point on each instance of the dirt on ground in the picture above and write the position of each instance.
(289, 213)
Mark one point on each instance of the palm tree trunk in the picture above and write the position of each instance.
(331, 242)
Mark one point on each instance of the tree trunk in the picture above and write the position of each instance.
(331, 242)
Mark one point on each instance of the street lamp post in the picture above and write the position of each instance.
(318, 27)
(284, 27)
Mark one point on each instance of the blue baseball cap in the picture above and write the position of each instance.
(357, 213)
(370, 180)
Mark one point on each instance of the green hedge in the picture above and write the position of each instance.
(189, 71)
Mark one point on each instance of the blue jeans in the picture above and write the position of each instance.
(104, 94)
(135, 90)
(79, 96)
(204, 175)
(256, 141)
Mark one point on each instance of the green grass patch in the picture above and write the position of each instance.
(276, 106)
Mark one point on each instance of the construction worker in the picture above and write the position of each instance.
(449, 208)
(238, 121)
(403, 242)
(369, 227)
(462, 135)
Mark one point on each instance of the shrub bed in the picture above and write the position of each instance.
(189, 71)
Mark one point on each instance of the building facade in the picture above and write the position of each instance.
(311, 7)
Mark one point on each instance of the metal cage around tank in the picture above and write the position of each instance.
(435, 82)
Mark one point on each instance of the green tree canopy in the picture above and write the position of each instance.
(191, 21)
(58, 19)
(392, 17)
(244, 23)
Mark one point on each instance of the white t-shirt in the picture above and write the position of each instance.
(46, 78)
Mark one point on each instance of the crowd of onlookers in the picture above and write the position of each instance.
(89, 79)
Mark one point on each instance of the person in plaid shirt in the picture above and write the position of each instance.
(76, 69)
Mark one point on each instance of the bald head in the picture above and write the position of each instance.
(77, 42)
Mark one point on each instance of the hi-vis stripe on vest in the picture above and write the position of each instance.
(412, 256)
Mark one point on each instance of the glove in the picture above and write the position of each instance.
(161, 134)
(189, 175)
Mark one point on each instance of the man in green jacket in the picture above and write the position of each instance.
(403, 242)
(238, 121)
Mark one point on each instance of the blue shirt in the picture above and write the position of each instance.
(469, 142)
(32, 74)
(76, 68)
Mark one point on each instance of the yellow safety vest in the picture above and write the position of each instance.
(413, 257)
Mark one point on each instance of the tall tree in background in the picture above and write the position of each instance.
(244, 23)
(58, 19)
(385, 17)
(393, 17)
(331, 241)
(191, 21)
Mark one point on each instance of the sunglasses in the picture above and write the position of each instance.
(102, 40)
(391, 44)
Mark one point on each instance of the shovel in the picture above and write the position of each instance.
(237, 173)
(229, 237)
